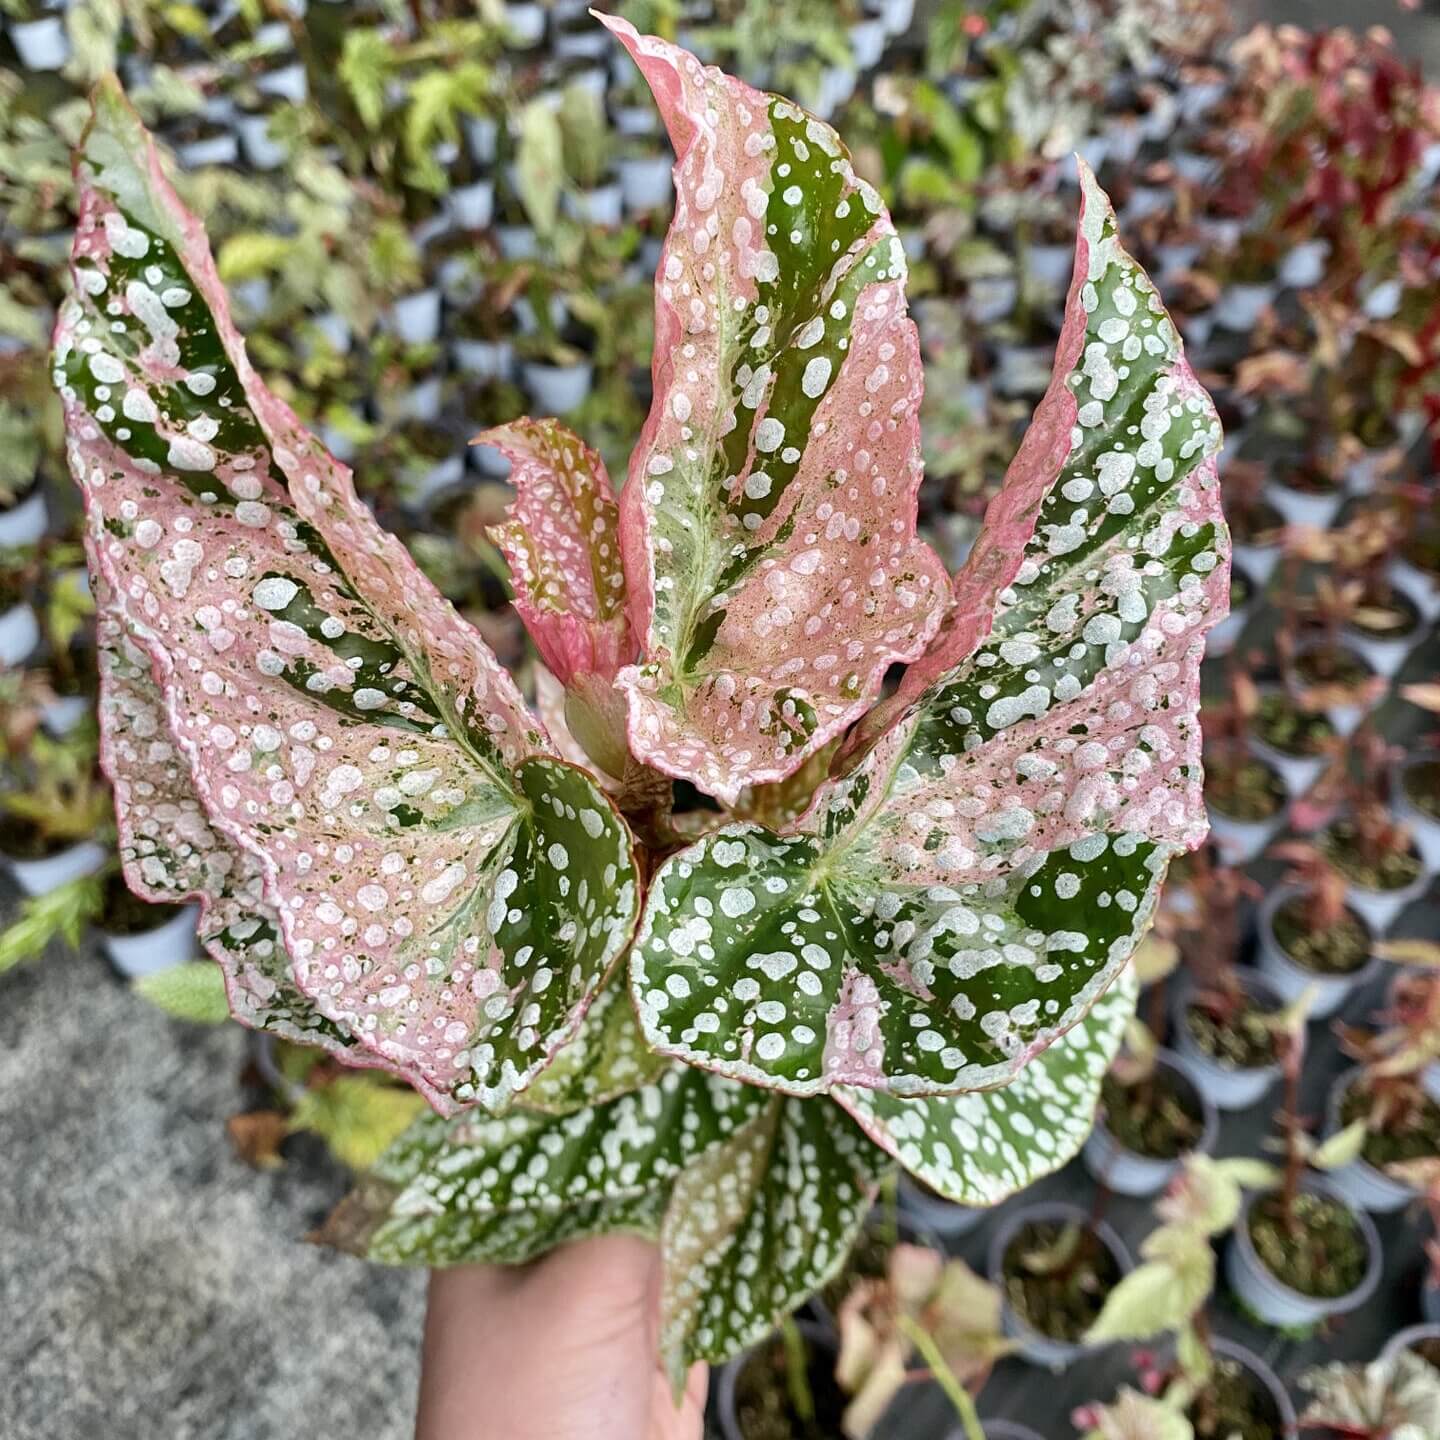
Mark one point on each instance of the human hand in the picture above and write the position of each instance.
(560, 1349)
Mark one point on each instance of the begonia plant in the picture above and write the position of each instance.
(628, 1014)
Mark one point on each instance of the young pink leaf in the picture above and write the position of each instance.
(962, 896)
(768, 525)
(448, 895)
(561, 541)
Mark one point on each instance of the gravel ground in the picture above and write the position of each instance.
(153, 1286)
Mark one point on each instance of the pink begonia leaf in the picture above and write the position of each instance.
(961, 897)
(561, 541)
(768, 523)
(449, 896)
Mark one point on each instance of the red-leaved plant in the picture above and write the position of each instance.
(717, 1032)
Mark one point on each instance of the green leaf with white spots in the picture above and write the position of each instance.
(439, 892)
(979, 1147)
(991, 853)
(451, 1177)
(758, 1224)
(607, 1058)
(768, 525)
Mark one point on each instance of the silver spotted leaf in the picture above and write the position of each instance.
(986, 862)
(607, 1058)
(756, 1225)
(444, 894)
(980, 1147)
(451, 1177)
(768, 524)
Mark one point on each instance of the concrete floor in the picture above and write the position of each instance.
(154, 1287)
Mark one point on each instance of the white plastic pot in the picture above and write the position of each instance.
(896, 14)
(481, 135)
(488, 461)
(1229, 1087)
(336, 330)
(636, 120)
(1240, 306)
(415, 319)
(1173, 258)
(261, 151)
(1290, 979)
(867, 43)
(524, 25)
(580, 44)
(516, 242)
(1406, 1339)
(25, 523)
(1385, 655)
(423, 485)
(287, 83)
(169, 944)
(1301, 507)
(1247, 1359)
(837, 85)
(947, 1219)
(1040, 1349)
(41, 44)
(1423, 588)
(252, 295)
(1257, 561)
(19, 634)
(645, 183)
(1277, 1303)
(991, 298)
(557, 389)
(1424, 829)
(60, 716)
(212, 150)
(1304, 264)
(1049, 267)
(472, 207)
(40, 877)
(1127, 1172)
(601, 206)
(1360, 1183)
(1242, 840)
(486, 359)
(1144, 201)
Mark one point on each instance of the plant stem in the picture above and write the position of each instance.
(797, 1372)
(955, 1392)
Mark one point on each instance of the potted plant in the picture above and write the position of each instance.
(1311, 937)
(1329, 675)
(783, 1389)
(1416, 787)
(571, 903)
(587, 146)
(1391, 1399)
(1246, 798)
(37, 31)
(1298, 740)
(48, 829)
(1152, 1114)
(1372, 850)
(142, 938)
(1223, 1015)
(924, 1308)
(1255, 524)
(934, 1213)
(482, 343)
(1299, 1253)
(1250, 274)
(1421, 1340)
(19, 625)
(1221, 1388)
(1055, 1264)
(1306, 492)
(1401, 1123)
(555, 365)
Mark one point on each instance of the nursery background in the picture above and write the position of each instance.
(436, 216)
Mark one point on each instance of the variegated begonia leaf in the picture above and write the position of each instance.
(981, 1146)
(757, 1224)
(449, 896)
(607, 1058)
(448, 1178)
(170, 853)
(768, 524)
(561, 541)
(960, 898)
